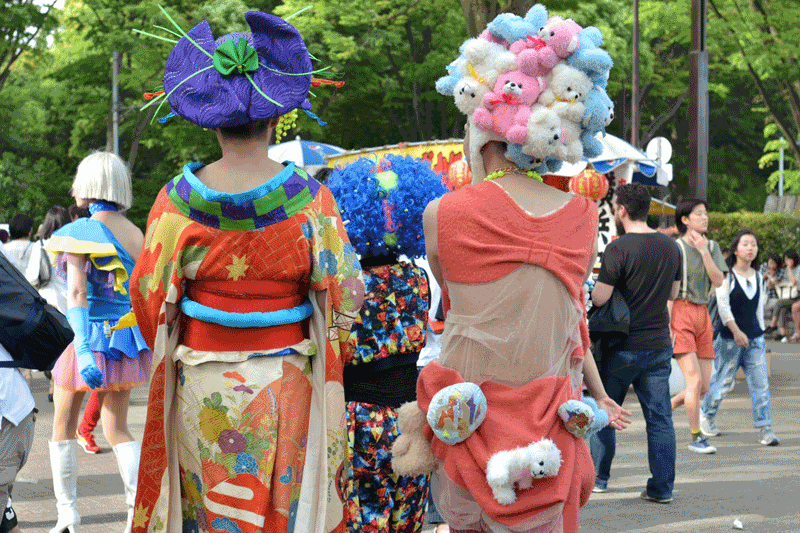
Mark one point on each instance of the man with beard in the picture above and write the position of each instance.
(645, 267)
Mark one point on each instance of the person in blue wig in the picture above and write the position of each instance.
(382, 205)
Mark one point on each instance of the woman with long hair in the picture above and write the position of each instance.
(55, 289)
(740, 343)
(96, 256)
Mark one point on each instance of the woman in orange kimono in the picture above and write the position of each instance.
(246, 287)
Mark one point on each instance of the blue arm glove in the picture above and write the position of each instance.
(78, 318)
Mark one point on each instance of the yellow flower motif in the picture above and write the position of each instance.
(212, 422)
(238, 267)
(140, 516)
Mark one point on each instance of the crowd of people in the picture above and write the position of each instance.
(343, 356)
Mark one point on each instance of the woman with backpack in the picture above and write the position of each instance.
(96, 256)
(740, 343)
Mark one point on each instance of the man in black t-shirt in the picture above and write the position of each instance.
(645, 267)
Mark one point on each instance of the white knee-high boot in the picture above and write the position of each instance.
(128, 462)
(65, 485)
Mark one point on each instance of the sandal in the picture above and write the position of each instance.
(795, 338)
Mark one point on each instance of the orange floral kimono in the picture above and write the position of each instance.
(245, 427)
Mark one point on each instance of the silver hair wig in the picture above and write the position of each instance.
(104, 176)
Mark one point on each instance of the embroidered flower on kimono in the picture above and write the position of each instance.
(352, 292)
(234, 375)
(193, 488)
(231, 441)
(226, 524)
(212, 423)
(308, 229)
(327, 262)
(190, 526)
(243, 388)
(202, 519)
(246, 464)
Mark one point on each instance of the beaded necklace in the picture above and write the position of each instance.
(513, 170)
(101, 205)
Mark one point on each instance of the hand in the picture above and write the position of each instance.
(741, 339)
(90, 373)
(78, 318)
(698, 240)
(618, 418)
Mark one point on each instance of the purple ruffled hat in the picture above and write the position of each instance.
(240, 77)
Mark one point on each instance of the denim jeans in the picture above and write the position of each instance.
(753, 361)
(648, 371)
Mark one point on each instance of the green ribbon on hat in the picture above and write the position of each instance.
(231, 58)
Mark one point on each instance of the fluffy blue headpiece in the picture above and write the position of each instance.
(383, 202)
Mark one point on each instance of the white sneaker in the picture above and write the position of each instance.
(707, 426)
(768, 437)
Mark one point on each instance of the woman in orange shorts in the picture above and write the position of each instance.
(703, 269)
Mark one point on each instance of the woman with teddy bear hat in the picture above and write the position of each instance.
(501, 409)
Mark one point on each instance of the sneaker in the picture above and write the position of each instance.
(707, 427)
(86, 440)
(599, 489)
(649, 498)
(701, 445)
(768, 437)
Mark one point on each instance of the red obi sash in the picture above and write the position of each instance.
(243, 297)
(515, 417)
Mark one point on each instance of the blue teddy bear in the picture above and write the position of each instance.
(599, 111)
(590, 58)
(513, 28)
(526, 162)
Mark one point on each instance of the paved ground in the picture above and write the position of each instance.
(757, 485)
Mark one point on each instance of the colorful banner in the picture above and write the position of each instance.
(441, 154)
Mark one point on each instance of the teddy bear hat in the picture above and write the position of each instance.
(238, 78)
(535, 83)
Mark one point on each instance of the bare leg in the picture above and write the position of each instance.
(796, 317)
(67, 409)
(706, 369)
(114, 414)
(690, 396)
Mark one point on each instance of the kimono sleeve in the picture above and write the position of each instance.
(335, 265)
(158, 275)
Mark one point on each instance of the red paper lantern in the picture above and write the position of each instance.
(589, 183)
(458, 175)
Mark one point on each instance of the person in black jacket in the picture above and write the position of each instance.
(645, 267)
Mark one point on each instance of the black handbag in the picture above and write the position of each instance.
(33, 331)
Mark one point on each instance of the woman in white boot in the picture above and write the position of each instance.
(97, 255)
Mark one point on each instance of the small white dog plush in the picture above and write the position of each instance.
(521, 466)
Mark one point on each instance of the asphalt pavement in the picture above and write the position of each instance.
(757, 485)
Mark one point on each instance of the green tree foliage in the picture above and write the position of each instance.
(760, 38)
(776, 232)
(24, 26)
(57, 99)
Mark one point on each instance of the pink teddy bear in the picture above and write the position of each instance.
(506, 109)
(536, 56)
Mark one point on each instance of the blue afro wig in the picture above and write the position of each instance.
(383, 202)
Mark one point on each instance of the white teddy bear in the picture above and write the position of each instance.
(565, 84)
(468, 94)
(521, 466)
(485, 61)
(544, 133)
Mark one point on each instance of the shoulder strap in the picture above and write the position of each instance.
(684, 275)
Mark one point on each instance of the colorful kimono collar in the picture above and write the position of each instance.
(272, 202)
